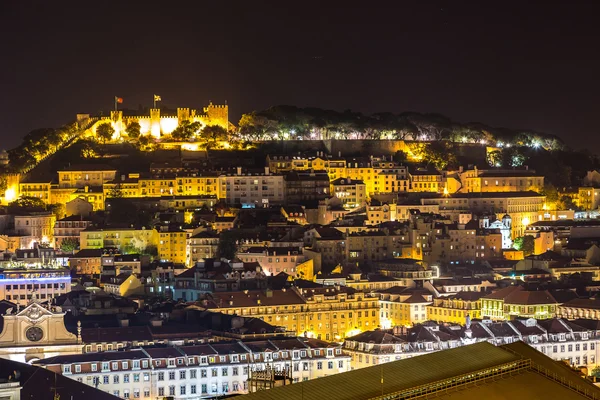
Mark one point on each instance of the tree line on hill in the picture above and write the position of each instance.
(291, 122)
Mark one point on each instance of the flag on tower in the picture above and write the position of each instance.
(157, 98)
(119, 99)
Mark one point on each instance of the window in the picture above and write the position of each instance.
(224, 371)
(66, 369)
(193, 374)
(171, 375)
(146, 377)
(124, 364)
(214, 372)
(161, 391)
(78, 368)
(182, 374)
(319, 365)
(94, 367)
(126, 378)
(161, 376)
(126, 393)
(105, 379)
(171, 390)
(136, 377)
(146, 392)
(136, 364)
(234, 371)
(330, 365)
(115, 378)
(136, 393)
(341, 364)
(204, 388)
(192, 389)
(182, 389)
(203, 373)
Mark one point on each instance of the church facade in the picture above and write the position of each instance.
(36, 332)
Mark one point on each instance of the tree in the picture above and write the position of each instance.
(495, 158)
(186, 130)
(596, 372)
(150, 250)
(133, 130)
(105, 132)
(227, 247)
(69, 245)
(58, 209)
(213, 134)
(26, 204)
(526, 244)
(115, 192)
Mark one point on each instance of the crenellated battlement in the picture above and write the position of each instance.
(156, 124)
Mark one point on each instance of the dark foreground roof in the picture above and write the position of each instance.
(37, 383)
(443, 367)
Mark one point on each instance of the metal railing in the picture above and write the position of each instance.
(458, 382)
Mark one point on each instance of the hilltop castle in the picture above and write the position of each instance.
(156, 124)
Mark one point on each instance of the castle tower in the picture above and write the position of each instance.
(155, 122)
(218, 115)
(183, 114)
(117, 122)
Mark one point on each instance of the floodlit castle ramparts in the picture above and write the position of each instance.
(157, 125)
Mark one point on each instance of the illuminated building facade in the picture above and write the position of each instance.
(197, 371)
(514, 301)
(329, 313)
(20, 286)
(351, 192)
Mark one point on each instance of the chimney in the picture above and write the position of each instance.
(340, 154)
(266, 170)
(122, 177)
(239, 170)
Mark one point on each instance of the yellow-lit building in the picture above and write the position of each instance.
(172, 246)
(80, 176)
(325, 313)
(40, 190)
(515, 302)
(351, 192)
(426, 179)
(454, 309)
(400, 307)
(118, 238)
(499, 180)
(588, 198)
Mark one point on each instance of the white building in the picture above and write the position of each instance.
(574, 341)
(199, 371)
(20, 286)
(38, 227)
(252, 189)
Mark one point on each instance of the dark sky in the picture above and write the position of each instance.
(521, 64)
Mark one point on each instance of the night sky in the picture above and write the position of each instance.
(531, 65)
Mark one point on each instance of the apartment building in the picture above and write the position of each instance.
(21, 285)
(328, 313)
(523, 207)
(514, 301)
(351, 192)
(201, 246)
(562, 340)
(257, 189)
(82, 175)
(38, 227)
(120, 238)
(500, 180)
(198, 371)
(69, 227)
